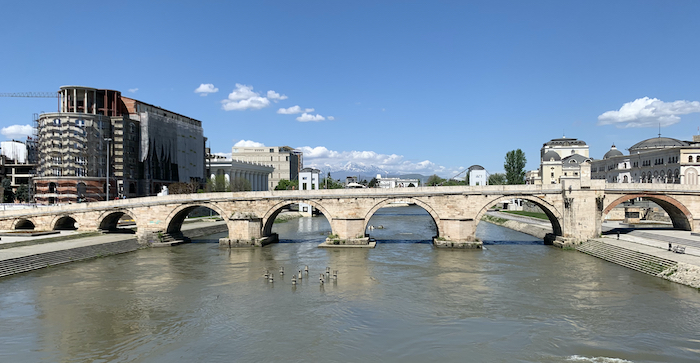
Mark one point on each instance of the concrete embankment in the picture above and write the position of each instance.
(27, 258)
(519, 225)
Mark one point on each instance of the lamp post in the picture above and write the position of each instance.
(108, 139)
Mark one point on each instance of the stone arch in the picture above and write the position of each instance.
(64, 223)
(680, 215)
(177, 216)
(553, 214)
(108, 221)
(269, 218)
(24, 224)
(384, 202)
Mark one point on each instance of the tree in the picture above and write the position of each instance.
(497, 179)
(515, 167)
(410, 185)
(23, 193)
(183, 188)
(285, 184)
(373, 183)
(239, 184)
(434, 180)
(218, 184)
(7, 196)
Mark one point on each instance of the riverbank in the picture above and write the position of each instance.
(28, 255)
(643, 250)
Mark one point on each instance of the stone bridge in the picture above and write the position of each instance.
(576, 209)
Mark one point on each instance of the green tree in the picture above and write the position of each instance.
(239, 184)
(515, 167)
(373, 183)
(183, 188)
(218, 184)
(8, 196)
(285, 184)
(497, 179)
(23, 193)
(434, 180)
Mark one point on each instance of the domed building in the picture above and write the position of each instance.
(559, 158)
(656, 160)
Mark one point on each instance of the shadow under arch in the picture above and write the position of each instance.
(269, 218)
(554, 216)
(65, 223)
(385, 202)
(175, 219)
(109, 221)
(23, 223)
(679, 214)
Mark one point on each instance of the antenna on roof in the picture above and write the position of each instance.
(659, 129)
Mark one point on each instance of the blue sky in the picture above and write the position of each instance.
(410, 86)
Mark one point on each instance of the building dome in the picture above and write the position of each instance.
(656, 143)
(476, 167)
(564, 141)
(613, 152)
(549, 155)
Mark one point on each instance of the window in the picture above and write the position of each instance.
(57, 122)
(80, 122)
(690, 158)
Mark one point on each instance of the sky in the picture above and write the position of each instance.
(407, 86)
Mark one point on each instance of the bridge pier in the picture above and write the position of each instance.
(349, 231)
(246, 231)
(457, 233)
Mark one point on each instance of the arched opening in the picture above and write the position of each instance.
(645, 211)
(65, 223)
(544, 217)
(196, 217)
(24, 224)
(118, 222)
(404, 220)
(297, 221)
(52, 187)
(81, 189)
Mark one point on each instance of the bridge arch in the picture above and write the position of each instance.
(64, 223)
(24, 223)
(386, 201)
(679, 214)
(177, 216)
(269, 218)
(108, 221)
(553, 214)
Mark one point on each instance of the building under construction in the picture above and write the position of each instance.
(98, 134)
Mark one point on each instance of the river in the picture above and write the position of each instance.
(404, 301)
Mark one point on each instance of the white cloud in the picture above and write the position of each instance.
(243, 98)
(294, 110)
(306, 117)
(331, 118)
(17, 131)
(248, 143)
(133, 90)
(275, 96)
(205, 89)
(322, 158)
(648, 112)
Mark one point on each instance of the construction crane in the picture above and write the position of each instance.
(31, 94)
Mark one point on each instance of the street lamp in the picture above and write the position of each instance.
(107, 167)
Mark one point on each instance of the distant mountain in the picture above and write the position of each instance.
(365, 172)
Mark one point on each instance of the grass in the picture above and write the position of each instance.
(48, 240)
(495, 220)
(538, 215)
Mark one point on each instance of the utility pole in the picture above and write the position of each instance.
(108, 139)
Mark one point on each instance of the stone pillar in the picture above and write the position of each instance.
(245, 230)
(457, 233)
(348, 232)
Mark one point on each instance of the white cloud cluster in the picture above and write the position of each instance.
(248, 143)
(244, 98)
(322, 157)
(306, 117)
(17, 131)
(205, 89)
(648, 112)
(294, 110)
(133, 90)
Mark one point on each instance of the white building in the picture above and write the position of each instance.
(559, 158)
(308, 180)
(655, 160)
(285, 160)
(396, 182)
(256, 174)
(478, 175)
